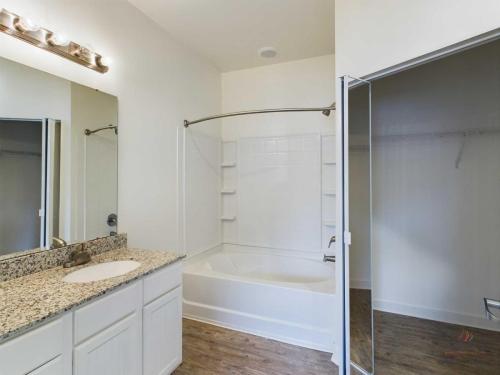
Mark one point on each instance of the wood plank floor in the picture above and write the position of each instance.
(407, 345)
(211, 350)
(413, 346)
(404, 346)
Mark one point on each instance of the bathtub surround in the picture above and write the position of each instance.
(31, 261)
(260, 208)
(278, 285)
(28, 301)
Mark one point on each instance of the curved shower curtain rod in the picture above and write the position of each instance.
(325, 110)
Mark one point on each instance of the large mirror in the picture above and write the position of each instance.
(58, 161)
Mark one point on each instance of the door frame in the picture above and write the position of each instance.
(343, 259)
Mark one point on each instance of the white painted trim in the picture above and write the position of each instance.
(246, 323)
(436, 55)
(422, 312)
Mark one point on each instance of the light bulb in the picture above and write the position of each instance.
(58, 40)
(26, 24)
(105, 61)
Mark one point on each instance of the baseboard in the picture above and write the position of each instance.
(258, 326)
(477, 321)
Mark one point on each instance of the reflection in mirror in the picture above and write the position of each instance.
(56, 181)
(361, 348)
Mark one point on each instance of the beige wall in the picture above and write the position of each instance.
(373, 35)
(301, 83)
(158, 84)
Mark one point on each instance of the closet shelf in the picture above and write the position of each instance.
(228, 218)
(228, 164)
(228, 191)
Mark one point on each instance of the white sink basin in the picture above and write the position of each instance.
(101, 271)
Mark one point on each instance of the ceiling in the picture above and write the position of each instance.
(230, 32)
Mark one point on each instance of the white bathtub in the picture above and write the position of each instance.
(280, 297)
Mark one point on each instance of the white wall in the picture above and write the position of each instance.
(158, 84)
(435, 226)
(373, 35)
(302, 83)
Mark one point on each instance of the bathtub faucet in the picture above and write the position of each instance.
(332, 240)
(330, 258)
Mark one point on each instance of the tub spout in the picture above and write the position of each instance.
(328, 258)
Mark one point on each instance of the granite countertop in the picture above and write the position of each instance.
(29, 300)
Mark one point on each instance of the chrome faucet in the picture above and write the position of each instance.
(58, 242)
(330, 258)
(78, 257)
(332, 240)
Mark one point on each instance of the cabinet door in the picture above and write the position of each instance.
(162, 324)
(36, 349)
(115, 350)
(54, 367)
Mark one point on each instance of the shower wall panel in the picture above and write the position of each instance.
(279, 192)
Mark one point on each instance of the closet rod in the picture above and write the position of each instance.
(452, 133)
(325, 110)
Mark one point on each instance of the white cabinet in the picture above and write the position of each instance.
(134, 330)
(115, 350)
(53, 367)
(40, 350)
(163, 334)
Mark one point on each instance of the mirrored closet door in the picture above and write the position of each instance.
(423, 210)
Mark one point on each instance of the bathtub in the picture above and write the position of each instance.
(284, 298)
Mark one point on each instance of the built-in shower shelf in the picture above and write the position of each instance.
(228, 191)
(228, 218)
(329, 162)
(329, 192)
(228, 164)
(329, 223)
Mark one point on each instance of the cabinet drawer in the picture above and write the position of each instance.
(102, 313)
(162, 281)
(28, 352)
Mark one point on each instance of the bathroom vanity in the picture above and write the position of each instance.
(130, 324)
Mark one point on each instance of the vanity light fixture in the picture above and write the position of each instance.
(28, 31)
